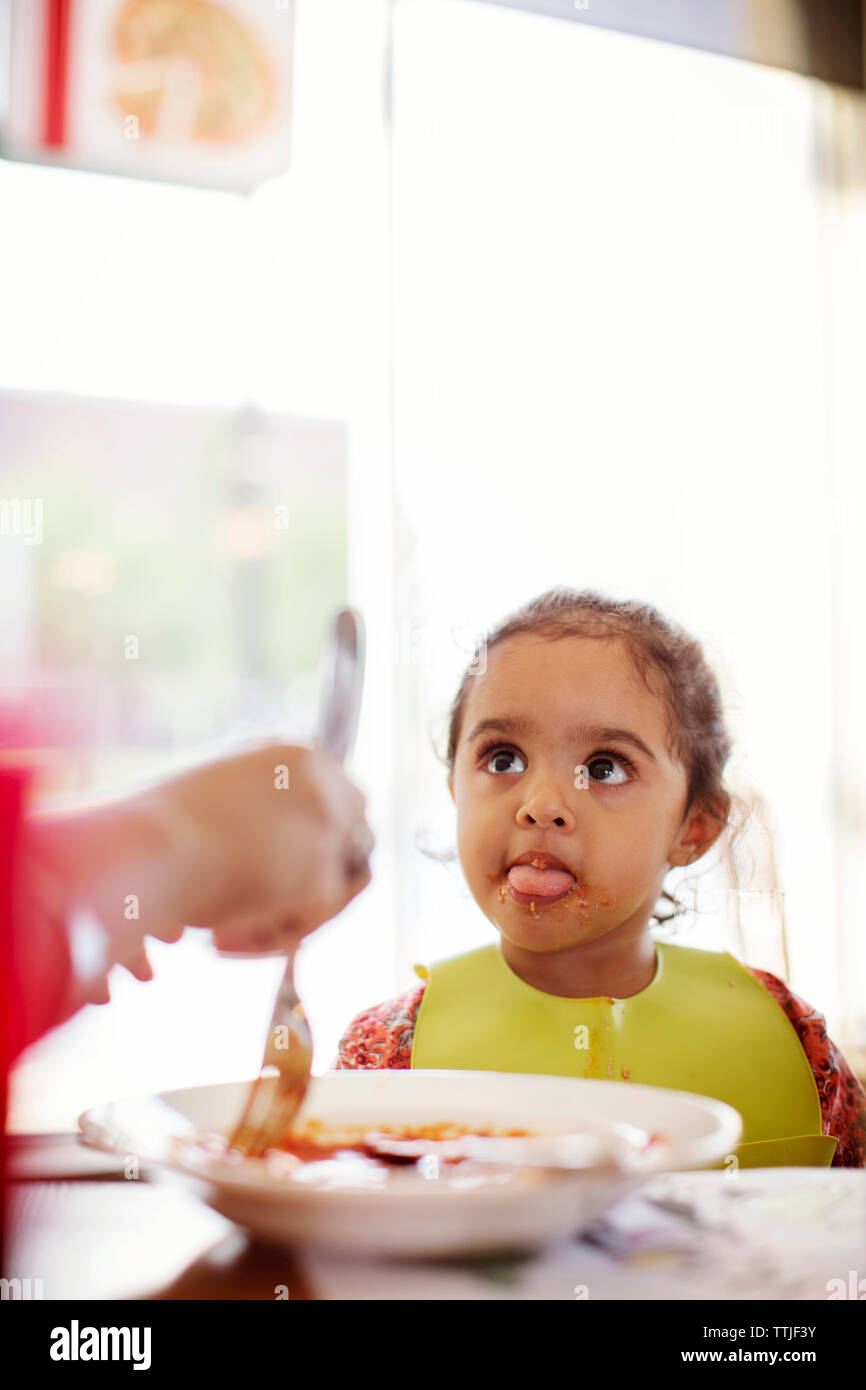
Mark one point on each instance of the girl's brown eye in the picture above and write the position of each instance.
(500, 759)
(611, 762)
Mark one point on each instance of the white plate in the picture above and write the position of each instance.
(414, 1215)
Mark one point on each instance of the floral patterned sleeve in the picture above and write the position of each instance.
(843, 1099)
(382, 1037)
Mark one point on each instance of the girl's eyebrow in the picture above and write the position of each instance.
(590, 733)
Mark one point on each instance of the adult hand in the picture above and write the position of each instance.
(262, 847)
(268, 845)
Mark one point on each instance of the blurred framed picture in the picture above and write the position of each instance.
(189, 91)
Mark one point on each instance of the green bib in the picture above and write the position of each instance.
(704, 1024)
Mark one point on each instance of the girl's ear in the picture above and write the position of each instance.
(699, 833)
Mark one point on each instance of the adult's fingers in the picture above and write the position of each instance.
(138, 964)
(345, 803)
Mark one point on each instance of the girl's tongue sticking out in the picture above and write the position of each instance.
(540, 877)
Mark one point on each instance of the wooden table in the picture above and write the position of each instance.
(773, 1233)
(92, 1239)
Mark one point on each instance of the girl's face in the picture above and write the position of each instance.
(544, 766)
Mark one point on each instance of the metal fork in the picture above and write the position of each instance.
(278, 1092)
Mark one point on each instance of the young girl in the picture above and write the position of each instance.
(585, 760)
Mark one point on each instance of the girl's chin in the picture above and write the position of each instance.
(540, 942)
(540, 925)
(540, 931)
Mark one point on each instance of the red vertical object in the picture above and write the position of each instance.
(34, 958)
(57, 20)
(12, 787)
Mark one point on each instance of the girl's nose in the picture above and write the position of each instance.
(545, 807)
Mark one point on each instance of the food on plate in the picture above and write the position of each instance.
(317, 1154)
(391, 1143)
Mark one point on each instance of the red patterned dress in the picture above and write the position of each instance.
(382, 1037)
